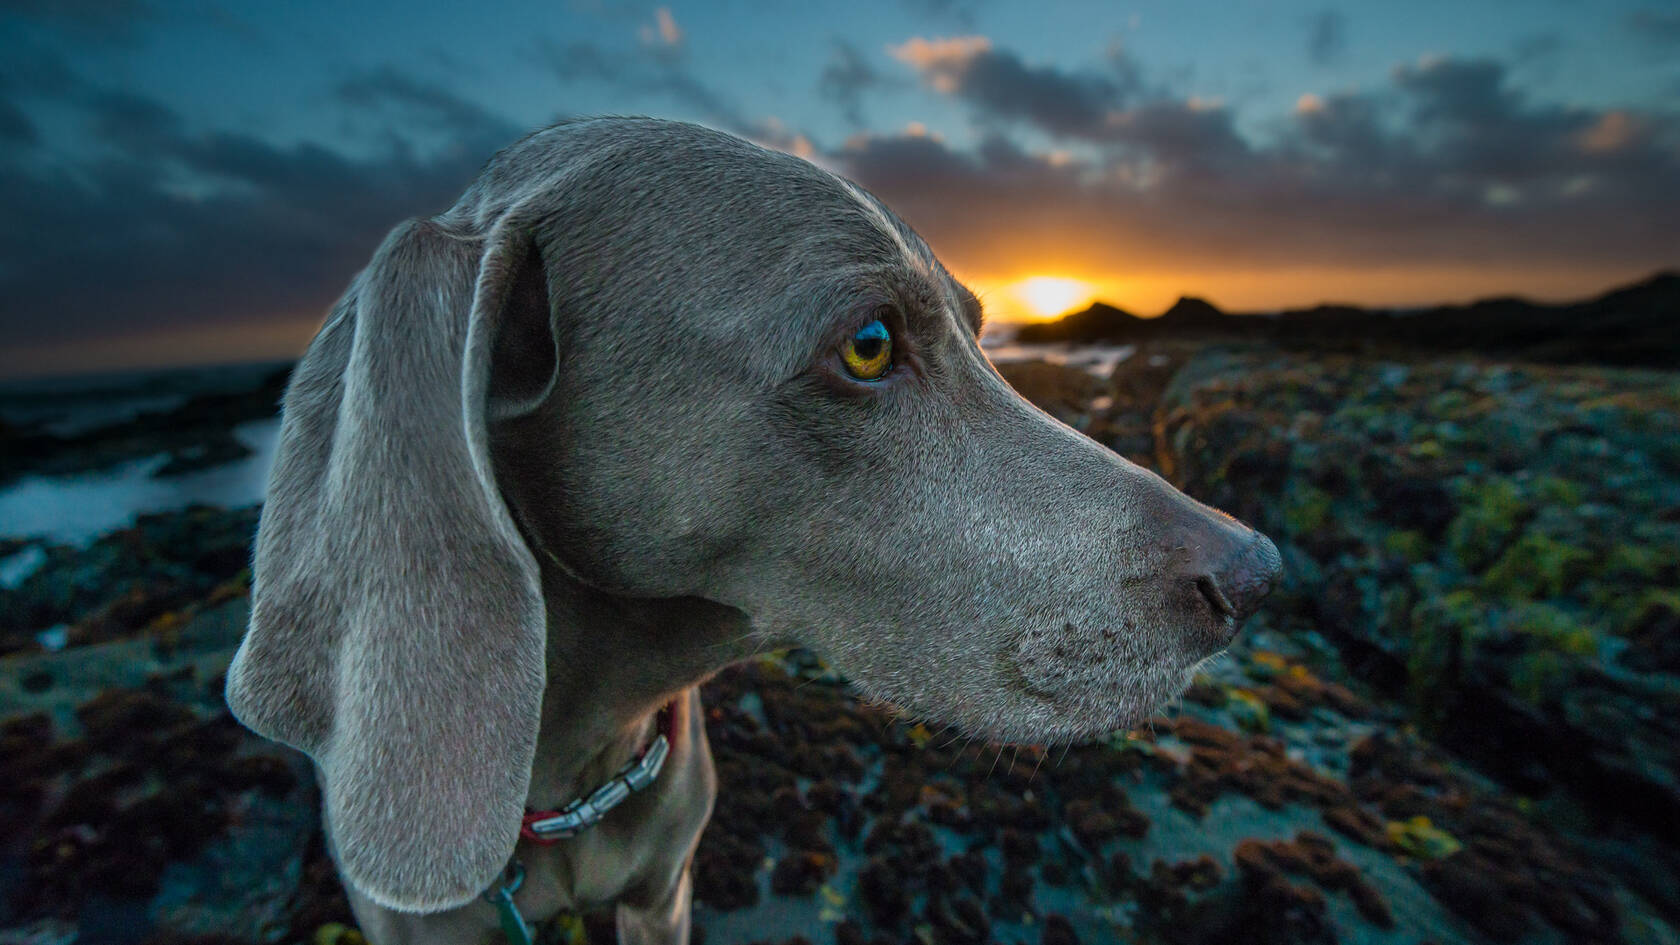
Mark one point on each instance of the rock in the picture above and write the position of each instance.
(1263, 865)
(847, 932)
(1057, 931)
(168, 563)
(1465, 547)
(1464, 535)
(196, 432)
(884, 898)
(801, 872)
(1419, 838)
(1356, 823)
(1062, 391)
(1631, 325)
(1019, 847)
(725, 868)
(1202, 873)
(1653, 634)
(1469, 889)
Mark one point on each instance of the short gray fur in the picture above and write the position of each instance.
(579, 441)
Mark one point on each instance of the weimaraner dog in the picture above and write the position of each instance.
(647, 400)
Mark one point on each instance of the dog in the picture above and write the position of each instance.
(647, 400)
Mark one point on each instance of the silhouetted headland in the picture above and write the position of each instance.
(1637, 325)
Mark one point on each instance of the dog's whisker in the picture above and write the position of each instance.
(953, 739)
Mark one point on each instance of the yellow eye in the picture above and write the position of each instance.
(868, 354)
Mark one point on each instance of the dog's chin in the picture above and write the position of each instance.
(1093, 711)
(1099, 716)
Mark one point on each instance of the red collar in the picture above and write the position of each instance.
(549, 826)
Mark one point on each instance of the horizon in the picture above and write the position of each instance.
(14, 383)
(186, 183)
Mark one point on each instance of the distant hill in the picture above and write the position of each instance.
(1637, 325)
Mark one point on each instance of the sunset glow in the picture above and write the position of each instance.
(1050, 155)
(1049, 296)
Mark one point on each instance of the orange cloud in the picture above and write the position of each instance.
(1613, 131)
(941, 61)
(664, 30)
(939, 53)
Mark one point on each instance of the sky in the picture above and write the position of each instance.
(190, 181)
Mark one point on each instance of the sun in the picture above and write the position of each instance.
(1051, 295)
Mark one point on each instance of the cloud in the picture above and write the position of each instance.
(1446, 164)
(663, 37)
(1464, 115)
(958, 11)
(1658, 27)
(651, 74)
(845, 78)
(570, 62)
(928, 55)
(1537, 47)
(1539, 56)
(1458, 128)
(169, 229)
(160, 227)
(426, 103)
(1001, 87)
(128, 120)
(1326, 37)
(15, 126)
(116, 21)
(38, 72)
(165, 229)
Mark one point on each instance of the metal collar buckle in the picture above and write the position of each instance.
(548, 826)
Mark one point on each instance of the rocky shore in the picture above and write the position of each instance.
(1456, 722)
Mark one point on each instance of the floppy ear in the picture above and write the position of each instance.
(397, 620)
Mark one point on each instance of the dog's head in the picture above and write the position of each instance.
(686, 366)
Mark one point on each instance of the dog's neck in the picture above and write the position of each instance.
(612, 663)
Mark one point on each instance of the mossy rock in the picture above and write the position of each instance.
(1556, 490)
(1556, 629)
(1409, 544)
(1538, 678)
(1445, 633)
(1428, 449)
(1537, 566)
(1265, 665)
(337, 933)
(1420, 839)
(1653, 633)
(1250, 711)
(1308, 510)
(1491, 515)
(1635, 563)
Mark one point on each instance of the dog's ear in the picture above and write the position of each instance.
(397, 621)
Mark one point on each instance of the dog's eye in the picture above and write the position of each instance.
(868, 353)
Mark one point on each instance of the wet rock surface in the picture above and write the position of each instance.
(191, 423)
(1454, 723)
(134, 805)
(142, 579)
(1494, 545)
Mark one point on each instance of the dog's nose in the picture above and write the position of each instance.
(1235, 586)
